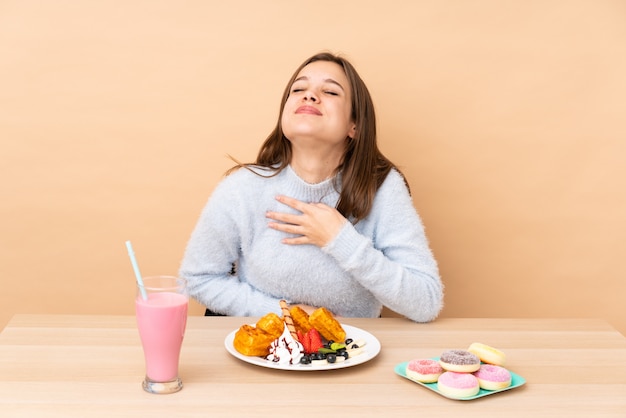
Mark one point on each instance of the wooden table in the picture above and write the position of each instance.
(92, 366)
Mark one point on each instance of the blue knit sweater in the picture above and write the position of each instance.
(382, 260)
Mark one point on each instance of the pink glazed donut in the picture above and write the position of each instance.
(492, 377)
(458, 385)
(423, 370)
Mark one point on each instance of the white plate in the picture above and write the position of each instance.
(370, 350)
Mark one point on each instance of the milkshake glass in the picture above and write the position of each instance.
(161, 309)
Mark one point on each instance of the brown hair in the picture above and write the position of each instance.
(364, 167)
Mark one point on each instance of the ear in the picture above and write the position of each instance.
(352, 131)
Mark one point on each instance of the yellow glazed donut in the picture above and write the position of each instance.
(487, 354)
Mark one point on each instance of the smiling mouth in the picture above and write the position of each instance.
(309, 110)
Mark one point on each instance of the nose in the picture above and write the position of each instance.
(309, 96)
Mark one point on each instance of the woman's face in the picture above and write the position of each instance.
(319, 105)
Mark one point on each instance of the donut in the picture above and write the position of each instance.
(492, 377)
(461, 361)
(423, 370)
(458, 385)
(487, 354)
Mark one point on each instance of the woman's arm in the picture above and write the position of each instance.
(211, 251)
(397, 266)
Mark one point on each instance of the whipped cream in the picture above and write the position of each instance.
(285, 349)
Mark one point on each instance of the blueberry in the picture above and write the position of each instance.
(331, 358)
(305, 360)
(349, 341)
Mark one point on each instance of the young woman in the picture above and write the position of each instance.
(321, 218)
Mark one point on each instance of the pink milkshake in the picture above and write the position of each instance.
(161, 320)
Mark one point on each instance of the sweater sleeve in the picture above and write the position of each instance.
(211, 251)
(396, 265)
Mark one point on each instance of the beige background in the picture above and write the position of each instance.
(506, 116)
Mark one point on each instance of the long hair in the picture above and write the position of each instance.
(363, 168)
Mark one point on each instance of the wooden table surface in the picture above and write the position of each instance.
(92, 366)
